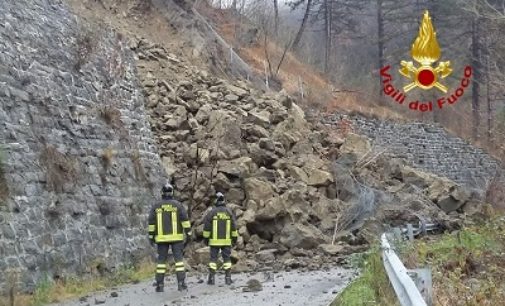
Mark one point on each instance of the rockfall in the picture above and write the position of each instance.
(94, 122)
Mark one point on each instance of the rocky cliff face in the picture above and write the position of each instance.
(78, 160)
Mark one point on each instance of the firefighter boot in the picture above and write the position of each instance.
(159, 287)
(212, 277)
(181, 283)
(227, 277)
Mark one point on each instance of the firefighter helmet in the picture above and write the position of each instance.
(219, 199)
(167, 190)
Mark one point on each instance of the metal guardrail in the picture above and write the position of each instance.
(412, 287)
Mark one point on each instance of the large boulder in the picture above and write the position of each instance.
(323, 207)
(301, 236)
(273, 208)
(448, 195)
(201, 256)
(422, 179)
(203, 113)
(356, 144)
(248, 217)
(293, 129)
(258, 190)
(239, 167)
(261, 118)
(318, 177)
(261, 157)
(168, 165)
(453, 201)
(235, 90)
(331, 249)
(222, 183)
(447, 203)
(235, 195)
(254, 131)
(297, 173)
(197, 153)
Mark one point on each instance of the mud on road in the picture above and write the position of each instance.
(292, 288)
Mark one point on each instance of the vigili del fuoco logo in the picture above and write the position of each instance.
(425, 51)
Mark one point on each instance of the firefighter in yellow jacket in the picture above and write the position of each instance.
(220, 233)
(168, 224)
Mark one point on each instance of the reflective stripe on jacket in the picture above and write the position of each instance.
(220, 227)
(167, 221)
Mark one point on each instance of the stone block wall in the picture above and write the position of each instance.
(427, 146)
(79, 166)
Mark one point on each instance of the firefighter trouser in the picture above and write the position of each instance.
(161, 267)
(225, 253)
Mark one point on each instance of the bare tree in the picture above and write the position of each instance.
(303, 24)
(276, 18)
(477, 67)
(273, 69)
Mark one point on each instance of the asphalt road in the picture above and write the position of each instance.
(292, 288)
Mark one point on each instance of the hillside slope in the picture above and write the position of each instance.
(276, 168)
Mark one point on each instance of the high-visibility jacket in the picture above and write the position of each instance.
(168, 220)
(220, 226)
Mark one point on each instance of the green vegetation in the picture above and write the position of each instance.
(468, 265)
(372, 287)
(468, 268)
(42, 292)
(49, 291)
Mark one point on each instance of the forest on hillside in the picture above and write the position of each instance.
(348, 41)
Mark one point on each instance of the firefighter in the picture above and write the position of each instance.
(168, 224)
(220, 233)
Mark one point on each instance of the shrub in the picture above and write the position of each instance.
(111, 115)
(108, 157)
(60, 168)
(85, 44)
(140, 173)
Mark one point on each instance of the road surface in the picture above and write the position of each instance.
(292, 288)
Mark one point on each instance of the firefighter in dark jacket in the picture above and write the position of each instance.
(220, 233)
(168, 224)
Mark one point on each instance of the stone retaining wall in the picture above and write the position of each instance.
(79, 165)
(428, 147)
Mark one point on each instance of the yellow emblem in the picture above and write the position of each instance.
(426, 51)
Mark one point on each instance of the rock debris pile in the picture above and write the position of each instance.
(294, 185)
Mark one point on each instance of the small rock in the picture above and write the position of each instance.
(99, 301)
(253, 285)
(114, 294)
(287, 286)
